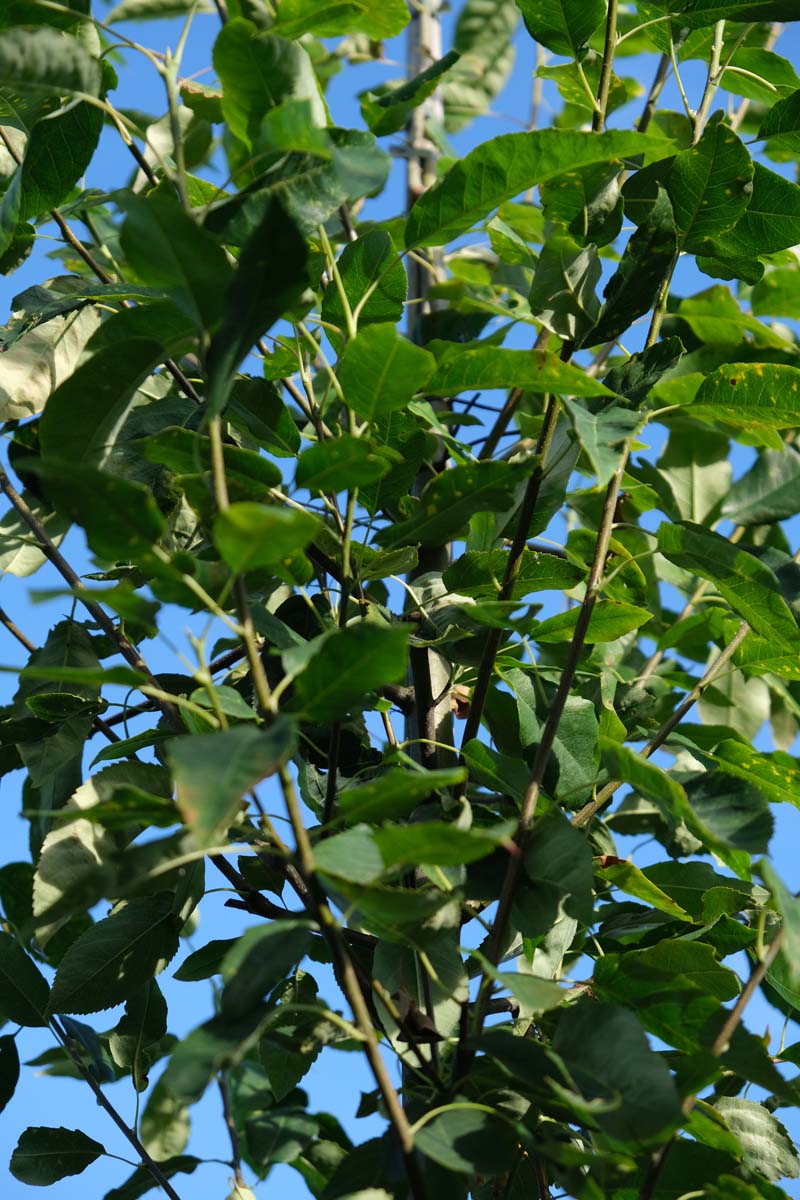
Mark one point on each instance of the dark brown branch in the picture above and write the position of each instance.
(147, 1162)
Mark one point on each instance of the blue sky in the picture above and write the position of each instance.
(334, 1083)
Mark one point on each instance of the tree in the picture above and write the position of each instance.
(257, 395)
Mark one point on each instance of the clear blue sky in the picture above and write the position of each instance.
(334, 1084)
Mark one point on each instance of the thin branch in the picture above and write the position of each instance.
(222, 9)
(584, 816)
(233, 1133)
(513, 562)
(606, 68)
(147, 1162)
(653, 96)
(126, 649)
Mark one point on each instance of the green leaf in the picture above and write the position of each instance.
(187, 452)
(121, 519)
(588, 202)
(504, 167)
(23, 989)
(782, 124)
(560, 856)
(562, 294)
(747, 584)
(330, 18)
(450, 499)
(699, 13)
(134, 1042)
(213, 771)
(387, 111)
(484, 40)
(733, 812)
(142, 1181)
(166, 248)
(165, 1124)
(758, 74)
(395, 793)
(257, 408)
(603, 434)
(468, 1139)
(9, 1069)
(710, 186)
(610, 619)
(47, 62)
(789, 910)
(270, 275)
(768, 1149)
(340, 464)
(480, 573)
(628, 878)
(259, 71)
(84, 415)
(633, 288)
(205, 962)
(563, 26)
(647, 1102)
(463, 368)
(770, 223)
(259, 960)
(373, 279)
(43, 1155)
(695, 466)
(251, 535)
(114, 958)
(350, 662)
(280, 1136)
(777, 776)
(498, 771)
(56, 156)
(768, 492)
(438, 843)
(380, 371)
(352, 855)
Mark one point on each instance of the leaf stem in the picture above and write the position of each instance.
(607, 68)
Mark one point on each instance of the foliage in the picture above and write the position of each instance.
(215, 387)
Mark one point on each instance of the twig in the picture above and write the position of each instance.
(607, 67)
(233, 1133)
(222, 9)
(147, 1162)
(126, 649)
(513, 561)
(718, 1048)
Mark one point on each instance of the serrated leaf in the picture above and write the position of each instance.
(213, 771)
(44, 1155)
(768, 1149)
(23, 989)
(504, 167)
(747, 584)
(112, 960)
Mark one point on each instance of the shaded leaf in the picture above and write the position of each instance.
(350, 662)
(9, 1069)
(768, 1149)
(213, 771)
(24, 992)
(44, 1155)
(251, 535)
(112, 960)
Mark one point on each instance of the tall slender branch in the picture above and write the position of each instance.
(606, 68)
(102, 1099)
